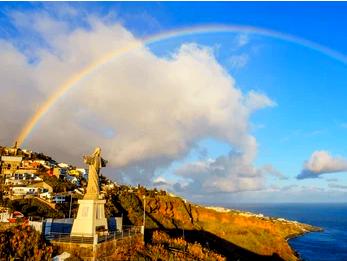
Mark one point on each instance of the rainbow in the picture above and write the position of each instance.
(204, 29)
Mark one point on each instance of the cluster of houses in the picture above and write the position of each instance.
(23, 174)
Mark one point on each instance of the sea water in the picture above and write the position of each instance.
(329, 245)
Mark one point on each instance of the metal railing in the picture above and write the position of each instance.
(68, 238)
(128, 231)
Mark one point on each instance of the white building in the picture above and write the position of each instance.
(23, 191)
(9, 164)
(22, 178)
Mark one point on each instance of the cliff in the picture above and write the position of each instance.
(230, 233)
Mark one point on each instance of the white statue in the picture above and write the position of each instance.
(95, 163)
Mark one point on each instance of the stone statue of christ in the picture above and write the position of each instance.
(95, 163)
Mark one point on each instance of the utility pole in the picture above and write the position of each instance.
(144, 216)
(70, 205)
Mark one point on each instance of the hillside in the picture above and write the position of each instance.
(173, 225)
(231, 233)
(212, 232)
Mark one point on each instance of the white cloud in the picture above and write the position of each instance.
(337, 186)
(242, 40)
(279, 194)
(322, 162)
(161, 182)
(143, 111)
(269, 169)
(238, 61)
(227, 174)
(256, 101)
(218, 176)
(332, 180)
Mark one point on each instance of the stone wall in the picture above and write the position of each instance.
(102, 251)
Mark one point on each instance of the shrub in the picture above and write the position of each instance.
(22, 242)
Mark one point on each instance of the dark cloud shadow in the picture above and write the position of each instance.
(307, 174)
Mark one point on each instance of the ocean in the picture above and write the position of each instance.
(329, 245)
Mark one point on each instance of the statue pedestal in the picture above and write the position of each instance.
(90, 218)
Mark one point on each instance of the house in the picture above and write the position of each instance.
(30, 165)
(59, 198)
(14, 182)
(79, 191)
(82, 171)
(19, 178)
(23, 191)
(10, 164)
(43, 186)
(7, 216)
(73, 180)
(49, 172)
(74, 172)
(63, 165)
(109, 186)
(23, 171)
(28, 153)
(59, 172)
(46, 195)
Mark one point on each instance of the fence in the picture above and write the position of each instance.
(128, 231)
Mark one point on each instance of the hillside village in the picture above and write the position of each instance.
(34, 179)
(25, 174)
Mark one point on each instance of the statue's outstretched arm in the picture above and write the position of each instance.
(103, 162)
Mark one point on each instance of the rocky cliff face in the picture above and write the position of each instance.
(231, 233)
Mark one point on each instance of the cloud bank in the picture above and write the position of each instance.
(321, 162)
(231, 173)
(144, 111)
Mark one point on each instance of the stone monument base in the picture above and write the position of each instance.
(90, 218)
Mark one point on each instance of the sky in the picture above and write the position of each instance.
(253, 114)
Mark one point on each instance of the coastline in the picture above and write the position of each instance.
(279, 227)
(306, 228)
(277, 211)
(296, 235)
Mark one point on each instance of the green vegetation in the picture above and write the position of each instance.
(59, 185)
(34, 208)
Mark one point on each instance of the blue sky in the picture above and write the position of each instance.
(307, 121)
